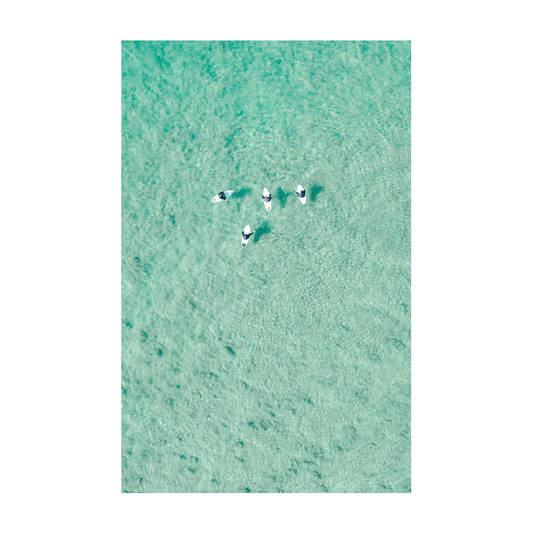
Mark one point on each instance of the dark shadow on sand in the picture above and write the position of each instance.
(263, 229)
(282, 196)
(315, 191)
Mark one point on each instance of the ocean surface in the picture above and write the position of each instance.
(285, 366)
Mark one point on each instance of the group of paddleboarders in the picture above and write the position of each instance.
(266, 197)
(222, 196)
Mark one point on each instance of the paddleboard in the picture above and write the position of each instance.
(268, 205)
(248, 232)
(217, 199)
(300, 192)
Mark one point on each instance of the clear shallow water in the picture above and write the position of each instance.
(284, 366)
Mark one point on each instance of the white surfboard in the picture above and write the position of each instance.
(217, 199)
(300, 192)
(248, 232)
(268, 205)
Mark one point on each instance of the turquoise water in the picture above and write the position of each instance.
(285, 366)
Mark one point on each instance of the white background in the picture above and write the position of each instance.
(419, 33)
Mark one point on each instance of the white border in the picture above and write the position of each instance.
(419, 33)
